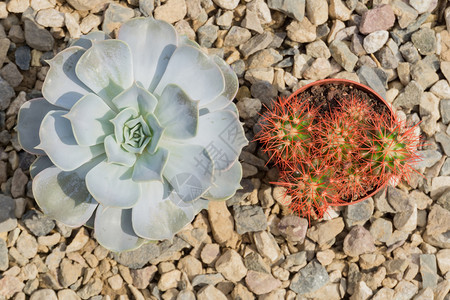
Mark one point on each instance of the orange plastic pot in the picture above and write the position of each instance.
(359, 86)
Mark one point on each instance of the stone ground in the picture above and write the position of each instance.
(395, 245)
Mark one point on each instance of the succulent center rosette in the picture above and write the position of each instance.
(133, 135)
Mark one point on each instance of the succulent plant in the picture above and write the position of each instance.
(335, 157)
(134, 135)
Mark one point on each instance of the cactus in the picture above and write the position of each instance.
(335, 157)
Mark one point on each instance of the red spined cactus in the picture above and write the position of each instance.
(338, 157)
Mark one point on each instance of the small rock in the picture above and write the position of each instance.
(210, 253)
(17, 6)
(317, 11)
(4, 260)
(370, 260)
(256, 43)
(78, 242)
(377, 18)
(37, 37)
(405, 290)
(231, 266)
(443, 260)
(252, 22)
(375, 40)
(248, 108)
(358, 213)
(445, 111)
(267, 246)
(362, 291)
(406, 220)
(293, 228)
(72, 26)
(343, 56)
(207, 35)
(293, 8)
(18, 184)
(4, 47)
(92, 288)
(3, 11)
(210, 292)
(338, 10)
(16, 34)
(261, 9)
(69, 272)
(310, 278)
(8, 220)
(358, 241)
(6, 94)
(115, 15)
(27, 245)
(227, 4)
(439, 185)
(409, 52)
(89, 23)
(249, 219)
(319, 69)
(68, 294)
(255, 262)
(405, 13)
(172, 11)
(142, 277)
(368, 76)
(115, 282)
(428, 270)
(86, 4)
(318, 49)
(9, 285)
(169, 280)
(438, 224)
(50, 18)
(381, 230)
(441, 89)
(23, 57)
(424, 73)
(424, 40)
(207, 279)
(261, 283)
(236, 36)
(264, 59)
(410, 97)
(302, 32)
(325, 232)
(325, 257)
(221, 223)
(387, 58)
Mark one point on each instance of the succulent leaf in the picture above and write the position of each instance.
(29, 121)
(62, 87)
(138, 98)
(225, 183)
(40, 164)
(59, 143)
(150, 166)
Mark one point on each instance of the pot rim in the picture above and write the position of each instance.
(364, 88)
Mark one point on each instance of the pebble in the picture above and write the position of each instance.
(236, 36)
(358, 241)
(8, 220)
(72, 26)
(358, 213)
(114, 16)
(381, 230)
(207, 279)
(207, 35)
(302, 32)
(227, 4)
(293, 228)
(172, 11)
(210, 253)
(27, 245)
(409, 52)
(368, 76)
(169, 280)
(387, 59)
(293, 8)
(317, 11)
(439, 185)
(318, 49)
(18, 183)
(249, 219)
(324, 232)
(231, 265)
(138, 258)
(411, 95)
(4, 47)
(424, 40)
(68, 294)
(44, 294)
(210, 292)
(249, 108)
(445, 111)
(362, 291)
(4, 260)
(37, 37)
(343, 55)
(267, 246)
(89, 23)
(50, 18)
(261, 9)
(443, 260)
(23, 57)
(264, 59)
(6, 94)
(375, 40)
(142, 277)
(87, 4)
(3, 11)
(16, 34)
(405, 290)
(17, 6)
(338, 10)
(92, 288)
(255, 262)
(221, 223)
(377, 18)
(406, 220)
(310, 278)
(11, 74)
(69, 272)
(319, 69)
(256, 43)
(261, 283)
(428, 270)
(115, 282)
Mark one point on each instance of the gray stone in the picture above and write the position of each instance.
(294, 260)
(358, 241)
(4, 260)
(255, 262)
(264, 59)
(374, 41)
(369, 77)
(310, 278)
(136, 259)
(424, 73)
(398, 199)
(381, 230)
(293, 228)
(92, 288)
(424, 40)
(18, 183)
(445, 111)
(409, 52)
(406, 220)
(410, 97)
(8, 220)
(27, 245)
(264, 91)
(236, 36)
(252, 22)
(444, 140)
(38, 223)
(318, 49)
(387, 58)
(114, 16)
(207, 279)
(342, 54)
(404, 35)
(238, 68)
(207, 35)
(293, 8)
(396, 266)
(249, 219)
(11, 74)
(428, 158)
(405, 13)
(146, 7)
(37, 37)
(4, 47)
(428, 270)
(256, 43)
(6, 94)
(445, 169)
(358, 213)
(248, 107)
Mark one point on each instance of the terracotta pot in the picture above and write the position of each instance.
(359, 86)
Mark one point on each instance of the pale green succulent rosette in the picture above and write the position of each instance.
(137, 134)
